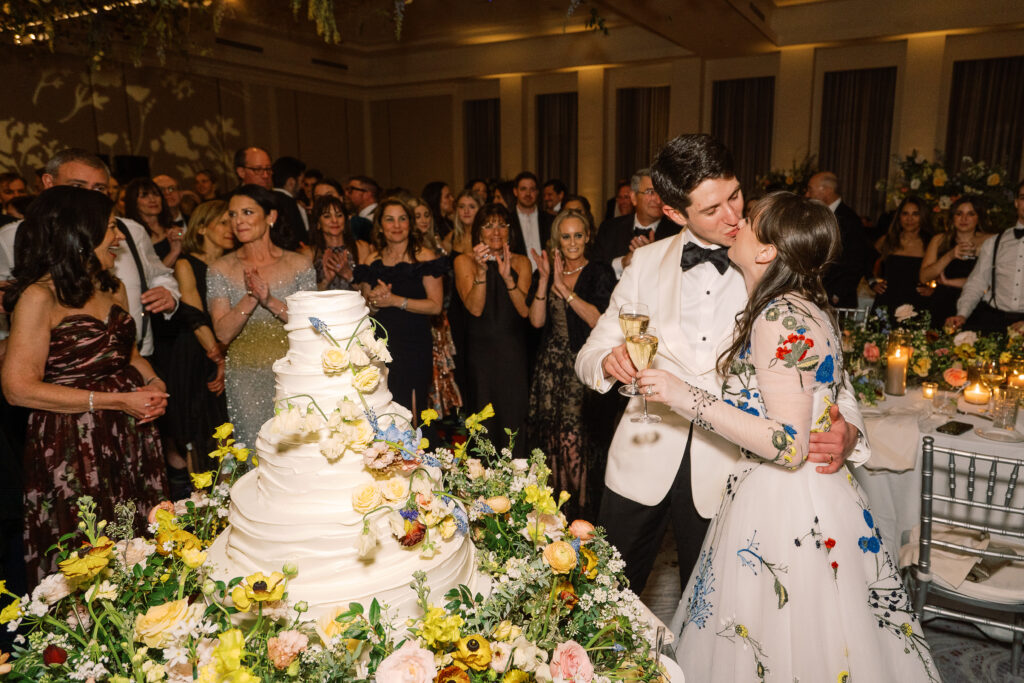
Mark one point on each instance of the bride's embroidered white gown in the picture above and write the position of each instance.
(792, 583)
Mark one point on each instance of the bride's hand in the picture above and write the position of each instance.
(663, 387)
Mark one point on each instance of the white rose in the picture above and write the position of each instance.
(350, 410)
(334, 360)
(904, 312)
(395, 489)
(366, 379)
(366, 498)
(334, 447)
(358, 356)
(965, 337)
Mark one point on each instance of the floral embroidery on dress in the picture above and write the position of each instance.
(698, 606)
(750, 557)
(738, 633)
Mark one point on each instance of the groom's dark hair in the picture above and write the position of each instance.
(684, 163)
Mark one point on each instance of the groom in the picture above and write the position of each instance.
(673, 469)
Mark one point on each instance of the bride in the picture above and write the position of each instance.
(792, 581)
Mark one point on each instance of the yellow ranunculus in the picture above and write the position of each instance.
(201, 481)
(472, 652)
(560, 556)
(428, 416)
(366, 497)
(154, 627)
(515, 676)
(85, 563)
(224, 431)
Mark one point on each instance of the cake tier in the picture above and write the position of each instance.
(267, 532)
(344, 313)
(296, 383)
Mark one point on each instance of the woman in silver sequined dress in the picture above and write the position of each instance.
(246, 293)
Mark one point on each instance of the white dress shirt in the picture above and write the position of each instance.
(157, 274)
(367, 212)
(529, 223)
(1009, 294)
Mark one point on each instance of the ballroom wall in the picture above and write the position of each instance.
(400, 119)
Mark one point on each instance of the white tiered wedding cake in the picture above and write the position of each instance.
(320, 469)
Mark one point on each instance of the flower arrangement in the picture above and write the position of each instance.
(938, 184)
(938, 355)
(791, 179)
(123, 608)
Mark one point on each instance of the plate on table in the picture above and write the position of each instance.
(1004, 435)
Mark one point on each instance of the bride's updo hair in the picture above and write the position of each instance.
(805, 235)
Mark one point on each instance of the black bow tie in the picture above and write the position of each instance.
(694, 255)
(1018, 233)
(641, 232)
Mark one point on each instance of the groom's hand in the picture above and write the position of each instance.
(618, 365)
(834, 446)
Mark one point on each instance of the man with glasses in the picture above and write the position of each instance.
(619, 237)
(253, 167)
(172, 198)
(362, 194)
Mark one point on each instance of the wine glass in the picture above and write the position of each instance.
(992, 373)
(633, 319)
(642, 349)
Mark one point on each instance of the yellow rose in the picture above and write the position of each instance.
(224, 431)
(560, 556)
(201, 481)
(500, 504)
(334, 360)
(448, 527)
(359, 435)
(395, 489)
(366, 379)
(153, 628)
(192, 557)
(366, 498)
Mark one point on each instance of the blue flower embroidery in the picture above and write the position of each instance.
(744, 406)
(868, 519)
(790, 429)
(869, 544)
(698, 605)
(826, 371)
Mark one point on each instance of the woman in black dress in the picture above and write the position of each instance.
(144, 203)
(951, 255)
(195, 377)
(401, 281)
(569, 294)
(902, 248)
(333, 250)
(493, 283)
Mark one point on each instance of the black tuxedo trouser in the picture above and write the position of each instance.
(637, 530)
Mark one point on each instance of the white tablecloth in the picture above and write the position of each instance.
(895, 496)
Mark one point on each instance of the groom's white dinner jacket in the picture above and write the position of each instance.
(694, 315)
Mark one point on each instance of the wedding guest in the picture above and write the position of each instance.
(286, 175)
(363, 193)
(578, 202)
(552, 194)
(531, 228)
(195, 374)
(246, 295)
(72, 359)
(205, 185)
(843, 276)
(619, 237)
(479, 188)
(568, 295)
(144, 203)
(189, 201)
(253, 167)
(401, 281)
(504, 194)
(621, 203)
(896, 273)
(993, 296)
(172, 199)
(492, 281)
(797, 528)
(329, 186)
(307, 182)
(951, 256)
(441, 201)
(460, 239)
(333, 249)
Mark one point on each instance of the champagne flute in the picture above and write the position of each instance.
(642, 349)
(633, 319)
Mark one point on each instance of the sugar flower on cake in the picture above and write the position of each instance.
(367, 540)
(395, 489)
(358, 356)
(349, 409)
(334, 360)
(366, 380)
(378, 348)
(367, 497)
(378, 456)
(333, 447)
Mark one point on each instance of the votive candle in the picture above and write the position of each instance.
(928, 389)
(977, 394)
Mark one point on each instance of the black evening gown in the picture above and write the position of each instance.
(193, 411)
(410, 340)
(943, 303)
(901, 273)
(496, 363)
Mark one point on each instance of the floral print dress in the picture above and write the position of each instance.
(792, 582)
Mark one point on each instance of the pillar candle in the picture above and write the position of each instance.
(896, 372)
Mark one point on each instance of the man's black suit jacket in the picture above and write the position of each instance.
(842, 277)
(615, 234)
(544, 220)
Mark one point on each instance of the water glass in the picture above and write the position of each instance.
(944, 402)
(1004, 408)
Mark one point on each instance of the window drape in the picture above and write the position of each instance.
(557, 139)
(641, 127)
(482, 123)
(742, 112)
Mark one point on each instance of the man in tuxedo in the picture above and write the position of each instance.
(843, 276)
(362, 193)
(671, 470)
(285, 176)
(618, 237)
(531, 227)
(553, 194)
(252, 167)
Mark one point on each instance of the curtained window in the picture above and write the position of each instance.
(856, 132)
(482, 123)
(557, 138)
(742, 110)
(986, 113)
(641, 127)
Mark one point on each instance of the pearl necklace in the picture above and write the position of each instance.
(567, 273)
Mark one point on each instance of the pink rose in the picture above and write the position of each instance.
(571, 663)
(955, 377)
(581, 529)
(408, 664)
(871, 352)
(286, 647)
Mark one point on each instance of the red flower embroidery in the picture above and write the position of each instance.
(835, 565)
(830, 543)
(787, 346)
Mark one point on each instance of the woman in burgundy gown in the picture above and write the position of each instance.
(72, 359)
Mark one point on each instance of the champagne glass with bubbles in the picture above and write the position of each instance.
(642, 348)
(633, 319)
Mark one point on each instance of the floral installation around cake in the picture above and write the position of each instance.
(939, 185)
(938, 355)
(555, 608)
